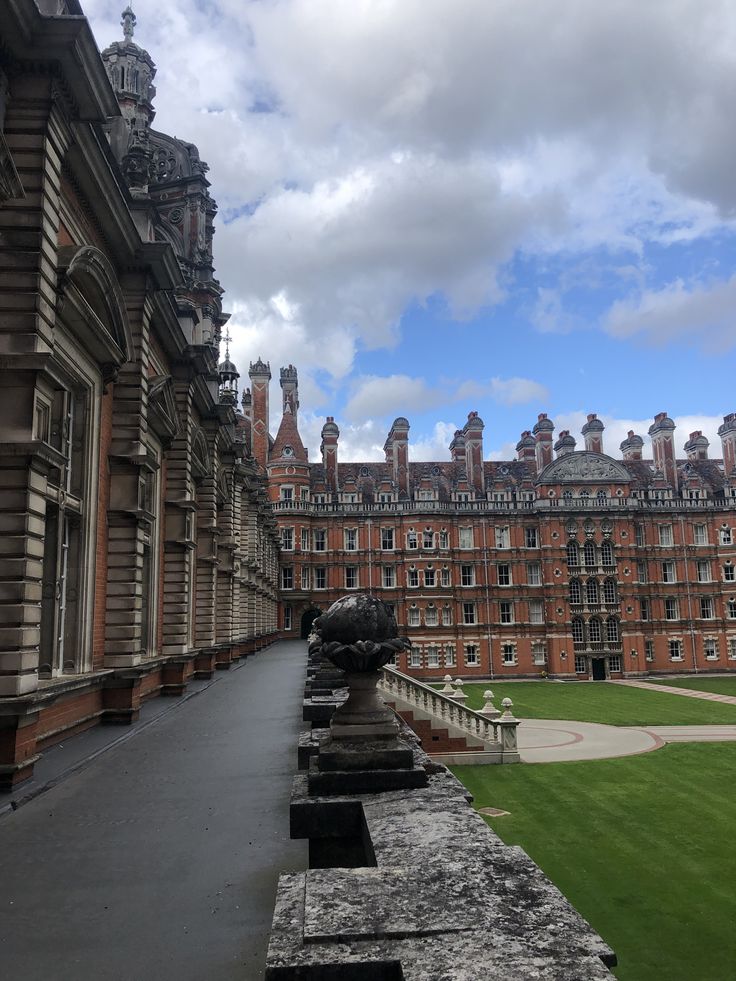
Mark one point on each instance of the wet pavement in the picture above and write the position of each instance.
(159, 859)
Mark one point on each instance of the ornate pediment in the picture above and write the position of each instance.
(162, 413)
(584, 467)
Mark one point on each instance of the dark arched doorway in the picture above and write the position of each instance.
(308, 618)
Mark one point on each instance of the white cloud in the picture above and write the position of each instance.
(392, 395)
(617, 430)
(706, 312)
(517, 391)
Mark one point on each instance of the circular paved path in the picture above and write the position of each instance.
(559, 741)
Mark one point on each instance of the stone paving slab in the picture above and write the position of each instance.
(559, 741)
(707, 696)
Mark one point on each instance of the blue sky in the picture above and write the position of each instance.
(493, 205)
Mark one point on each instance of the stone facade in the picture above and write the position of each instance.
(564, 562)
(138, 545)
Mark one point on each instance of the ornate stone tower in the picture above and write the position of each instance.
(593, 434)
(396, 449)
(543, 434)
(473, 430)
(290, 390)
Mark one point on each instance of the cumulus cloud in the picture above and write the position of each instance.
(368, 155)
(517, 391)
(617, 429)
(704, 311)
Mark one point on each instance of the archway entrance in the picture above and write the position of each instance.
(308, 618)
(599, 668)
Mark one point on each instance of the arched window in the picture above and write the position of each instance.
(607, 554)
(589, 553)
(602, 495)
(576, 593)
(609, 590)
(592, 592)
(578, 635)
(567, 495)
(573, 554)
(612, 634)
(134, 83)
(595, 633)
(583, 495)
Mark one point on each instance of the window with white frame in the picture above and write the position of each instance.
(666, 537)
(446, 615)
(411, 539)
(725, 536)
(573, 554)
(503, 537)
(576, 593)
(592, 592)
(539, 652)
(581, 664)
(469, 615)
(531, 537)
(287, 577)
(443, 538)
(427, 538)
(644, 610)
(305, 539)
(614, 663)
(431, 616)
(706, 608)
(385, 497)
(412, 577)
(449, 656)
(668, 572)
(351, 577)
(607, 554)
(429, 577)
(415, 658)
(671, 609)
(578, 631)
(610, 593)
(287, 539)
(642, 571)
(351, 539)
(508, 650)
(590, 555)
(305, 577)
(700, 534)
(536, 611)
(387, 539)
(639, 535)
(320, 540)
(731, 608)
(504, 574)
(595, 630)
(506, 611)
(612, 630)
(445, 576)
(702, 570)
(304, 494)
(472, 660)
(413, 615)
(287, 618)
(710, 648)
(433, 657)
(466, 537)
(388, 577)
(731, 641)
(729, 572)
(467, 575)
(675, 649)
(649, 650)
(320, 577)
(287, 494)
(534, 573)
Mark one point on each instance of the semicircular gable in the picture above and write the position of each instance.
(583, 467)
(200, 455)
(92, 303)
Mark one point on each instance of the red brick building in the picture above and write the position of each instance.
(564, 562)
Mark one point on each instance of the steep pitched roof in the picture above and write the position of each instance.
(288, 435)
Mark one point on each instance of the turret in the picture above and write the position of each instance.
(473, 432)
(330, 436)
(593, 434)
(696, 447)
(457, 447)
(565, 444)
(526, 448)
(543, 435)
(290, 390)
(260, 376)
(662, 432)
(396, 449)
(727, 432)
(631, 447)
(228, 376)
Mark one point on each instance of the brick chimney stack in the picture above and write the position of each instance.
(473, 432)
(247, 402)
(290, 390)
(260, 376)
(457, 447)
(697, 446)
(631, 447)
(593, 434)
(565, 444)
(330, 436)
(727, 432)
(662, 432)
(396, 449)
(543, 434)
(526, 448)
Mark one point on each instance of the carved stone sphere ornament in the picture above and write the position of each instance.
(359, 633)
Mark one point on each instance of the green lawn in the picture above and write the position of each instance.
(721, 686)
(598, 701)
(642, 846)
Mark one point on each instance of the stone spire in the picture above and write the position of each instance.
(128, 23)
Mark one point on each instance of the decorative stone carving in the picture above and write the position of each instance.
(583, 466)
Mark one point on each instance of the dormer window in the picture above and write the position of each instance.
(288, 451)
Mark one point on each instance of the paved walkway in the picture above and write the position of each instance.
(708, 696)
(159, 860)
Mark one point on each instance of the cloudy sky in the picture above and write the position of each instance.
(433, 206)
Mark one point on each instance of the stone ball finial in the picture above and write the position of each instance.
(358, 617)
